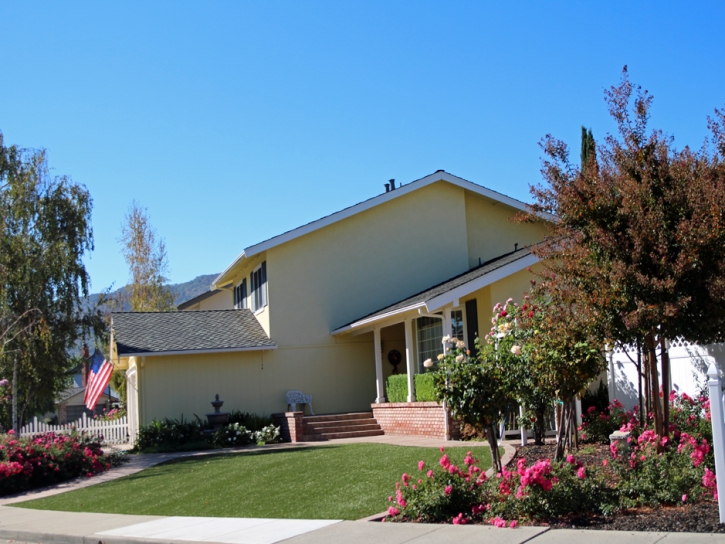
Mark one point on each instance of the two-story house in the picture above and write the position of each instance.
(320, 307)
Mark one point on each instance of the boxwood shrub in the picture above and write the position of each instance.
(396, 389)
(425, 387)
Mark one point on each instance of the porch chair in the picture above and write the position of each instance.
(298, 397)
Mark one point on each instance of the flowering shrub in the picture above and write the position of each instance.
(233, 434)
(110, 415)
(637, 474)
(447, 493)
(267, 435)
(27, 463)
(442, 493)
(171, 435)
(681, 469)
(597, 426)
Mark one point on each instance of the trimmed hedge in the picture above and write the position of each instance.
(425, 387)
(396, 389)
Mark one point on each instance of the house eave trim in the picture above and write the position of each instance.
(196, 351)
(377, 318)
(479, 283)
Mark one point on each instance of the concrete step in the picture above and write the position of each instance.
(338, 417)
(313, 429)
(330, 436)
(339, 422)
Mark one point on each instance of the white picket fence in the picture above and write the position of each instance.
(113, 432)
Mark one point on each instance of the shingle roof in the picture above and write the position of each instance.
(207, 330)
(448, 285)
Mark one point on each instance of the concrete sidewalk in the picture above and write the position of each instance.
(25, 525)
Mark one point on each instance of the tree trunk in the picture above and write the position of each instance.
(654, 383)
(540, 427)
(574, 425)
(562, 432)
(493, 444)
(640, 401)
(15, 396)
(666, 387)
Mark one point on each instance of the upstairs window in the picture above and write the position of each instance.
(259, 287)
(240, 295)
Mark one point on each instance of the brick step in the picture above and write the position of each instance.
(331, 436)
(338, 422)
(338, 417)
(313, 429)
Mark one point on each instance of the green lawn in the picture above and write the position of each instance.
(327, 482)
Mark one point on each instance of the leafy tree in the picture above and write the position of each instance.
(474, 392)
(148, 289)
(148, 264)
(639, 245)
(45, 232)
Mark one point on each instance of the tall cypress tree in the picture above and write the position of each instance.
(588, 147)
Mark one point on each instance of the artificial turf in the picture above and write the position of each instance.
(328, 482)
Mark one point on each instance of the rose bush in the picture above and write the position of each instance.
(635, 475)
(27, 463)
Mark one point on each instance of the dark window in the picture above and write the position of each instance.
(240, 295)
(472, 324)
(259, 287)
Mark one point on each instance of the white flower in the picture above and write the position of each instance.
(446, 339)
(440, 356)
(428, 363)
(460, 344)
(516, 350)
(460, 358)
(454, 340)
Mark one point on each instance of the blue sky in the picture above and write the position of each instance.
(236, 121)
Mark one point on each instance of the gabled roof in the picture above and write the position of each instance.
(198, 298)
(174, 333)
(436, 297)
(440, 175)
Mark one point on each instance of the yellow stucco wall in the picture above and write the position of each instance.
(340, 378)
(337, 274)
(492, 233)
(223, 300)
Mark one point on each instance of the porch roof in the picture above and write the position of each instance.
(450, 290)
(172, 333)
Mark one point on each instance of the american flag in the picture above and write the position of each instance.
(99, 374)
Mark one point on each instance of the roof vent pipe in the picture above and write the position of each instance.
(387, 187)
(516, 247)
(392, 184)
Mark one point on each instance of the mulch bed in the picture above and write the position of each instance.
(702, 517)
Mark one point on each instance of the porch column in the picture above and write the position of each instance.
(409, 363)
(379, 383)
(446, 325)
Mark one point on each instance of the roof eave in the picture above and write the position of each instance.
(223, 276)
(197, 351)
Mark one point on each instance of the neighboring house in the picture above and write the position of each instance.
(69, 405)
(319, 308)
(688, 369)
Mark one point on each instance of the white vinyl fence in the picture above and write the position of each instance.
(113, 432)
